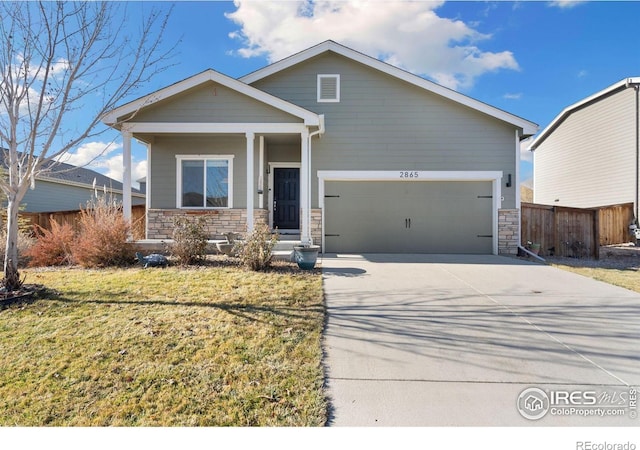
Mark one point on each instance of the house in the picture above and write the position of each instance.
(335, 147)
(64, 187)
(588, 155)
(533, 403)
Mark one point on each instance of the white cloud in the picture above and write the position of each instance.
(38, 71)
(59, 67)
(513, 96)
(525, 154)
(408, 34)
(565, 4)
(139, 170)
(90, 154)
(105, 158)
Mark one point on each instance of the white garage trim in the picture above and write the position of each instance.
(415, 175)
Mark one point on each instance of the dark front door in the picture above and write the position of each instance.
(286, 198)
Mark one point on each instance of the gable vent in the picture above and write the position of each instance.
(328, 88)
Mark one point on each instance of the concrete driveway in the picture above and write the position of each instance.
(440, 340)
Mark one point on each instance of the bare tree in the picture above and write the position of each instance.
(63, 65)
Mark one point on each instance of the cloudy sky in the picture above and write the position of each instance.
(529, 58)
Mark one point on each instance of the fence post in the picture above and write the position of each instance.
(559, 250)
(596, 234)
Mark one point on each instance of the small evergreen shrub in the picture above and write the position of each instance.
(189, 240)
(103, 236)
(256, 252)
(52, 247)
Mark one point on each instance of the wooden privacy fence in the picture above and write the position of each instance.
(43, 219)
(575, 232)
(614, 223)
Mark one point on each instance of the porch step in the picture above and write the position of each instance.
(282, 251)
(283, 245)
(283, 255)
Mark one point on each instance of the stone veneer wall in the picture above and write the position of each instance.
(316, 226)
(508, 229)
(218, 221)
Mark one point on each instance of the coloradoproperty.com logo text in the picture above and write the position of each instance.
(534, 403)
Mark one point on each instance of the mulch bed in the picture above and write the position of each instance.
(27, 292)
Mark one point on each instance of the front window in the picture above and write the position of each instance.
(205, 182)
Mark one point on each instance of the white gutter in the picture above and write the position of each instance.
(318, 132)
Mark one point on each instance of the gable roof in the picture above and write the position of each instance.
(130, 109)
(528, 128)
(63, 173)
(555, 123)
(68, 174)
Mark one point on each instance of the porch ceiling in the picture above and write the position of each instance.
(281, 139)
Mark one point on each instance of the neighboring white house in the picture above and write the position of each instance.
(588, 155)
(335, 146)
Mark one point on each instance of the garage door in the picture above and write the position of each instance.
(408, 217)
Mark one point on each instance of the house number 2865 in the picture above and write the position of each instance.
(408, 174)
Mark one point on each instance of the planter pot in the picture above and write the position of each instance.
(306, 256)
(534, 248)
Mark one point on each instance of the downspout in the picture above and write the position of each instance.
(637, 89)
(531, 254)
(318, 132)
(633, 82)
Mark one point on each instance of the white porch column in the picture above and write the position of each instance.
(261, 173)
(305, 225)
(250, 185)
(126, 177)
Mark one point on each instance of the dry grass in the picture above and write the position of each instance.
(619, 266)
(210, 346)
(626, 278)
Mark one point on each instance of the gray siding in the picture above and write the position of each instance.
(51, 197)
(212, 102)
(163, 163)
(283, 152)
(589, 159)
(382, 123)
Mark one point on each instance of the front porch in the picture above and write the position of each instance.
(217, 224)
(213, 144)
(283, 251)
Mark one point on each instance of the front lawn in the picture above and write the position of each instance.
(627, 278)
(209, 346)
(618, 265)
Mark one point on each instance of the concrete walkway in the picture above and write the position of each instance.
(440, 340)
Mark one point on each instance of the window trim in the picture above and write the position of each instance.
(180, 158)
(321, 76)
